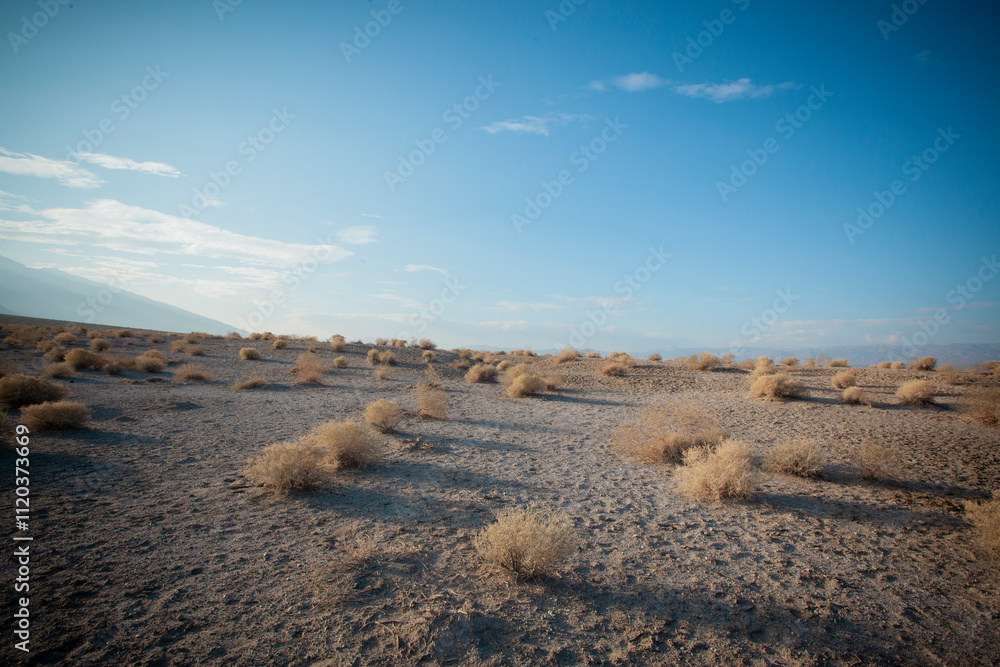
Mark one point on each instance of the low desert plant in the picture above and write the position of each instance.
(60, 370)
(197, 351)
(54, 353)
(985, 516)
(340, 362)
(777, 387)
(884, 364)
(875, 460)
(249, 354)
(100, 344)
(460, 365)
(338, 343)
(481, 373)
(384, 415)
(527, 541)
(800, 457)
(662, 435)
(289, 466)
(55, 416)
(593, 355)
(762, 366)
(923, 364)
(113, 368)
(124, 333)
(81, 359)
(982, 404)
(309, 368)
(916, 392)
(381, 341)
(178, 346)
(705, 362)
(654, 357)
(234, 335)
(345, 443)
(65, 338)
(613, 369)
(382, 372)
(373, 356)
(387, 357)
(897, 365)
(426, 344)
(150, 361)
(623, 358)
(252, 382)
(19, 390)
(722, 473)
(427, 356)
(432, 402)
(790, 362)
(854, 395)
(552, 381)
(504, 365)
(278, 344)
(838, 363)
(746, 365)
(527, 384)
(192, 372)
(568, 354)
(844, 379)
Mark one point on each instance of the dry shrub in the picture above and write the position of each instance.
(432, 402)
(8, 367)
(552, 381)
(178, 346)
(654, 357)
(252, 382)
(55, 416)
(60, 370)
(54, 353)
(427, 355)
(398, 342)
(875, 460)
(705, 362)
(721, 474)
(309, 368)
(985, 516)
(81, 359)
(790, 362)
(289, 466)
(427, 344)
(916, 392)
(18, 390)
(65, 338)
(854, 395)
(112, 368)
(762, 366)
(192, 372)
(884, 364)
(727, 358)
(151, 361)
(387, 357)
(923, 364)
(623, 358)
(746, 365)
(384, 415)
(898, 365)
(504, 365)
(192, 337)
(569, 354)
(593, 355)
(460, 365)
(844, 379)
(100, 344)
(340, 362)
(800, 457)
(662, 435)
(234, 335)
(528, 384)
(124, 333)
(373, 356)
(199, 351)
(382, 372)
(613, 369)
(155, 338)
(381, 341)
(11, 341)
(346, 443)
(838, 363)
(338, 343)
(249, 354)
(481, 373)
(278, 344)
(982, 404)
(777, 387)
(526, 541)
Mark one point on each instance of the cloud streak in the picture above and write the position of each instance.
(113, 162)
(728, 92)
(535, 124)
(65, 172)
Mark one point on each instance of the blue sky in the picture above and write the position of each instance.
(630, 175)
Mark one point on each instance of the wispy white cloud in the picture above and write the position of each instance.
(116, 226)
(636, 82)
(359, 235)
(535, 124)
(114, 162)
(65, 172)
(517, 305)
(727, 92)
(412, 268)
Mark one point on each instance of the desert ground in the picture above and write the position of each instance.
(151, 548)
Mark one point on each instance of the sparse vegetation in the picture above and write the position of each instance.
(151, 361)
(837, 363)
(387, 357)
(19, 390)
(192, 372)
(854, 395)
(81, 359)
(875, 460)
(705, 362)
(340, 362)
(662, 435)
(384, 415)
(252, 382)
(61, 370)
(382, 372)
(289, 466)
(777, 387)
(897, 365)
(923, 364)
(568, 354)
(527, 541)
(249, 354)
(800, 457)
(427, 356)
(884, 364)
(65, 338)
(199, 351)
(613, 369)
(278, 344)
(654, 357)
(916, 392)
(309, 368)
(432, 402)
(722, 473)
(552, 381)
(427, 344)
(790, 362)
(982, 404)
(55, 416)
(100, 344)
(985, 516)
(338, 343)
(346, 443)
(481, 373)
(844, 379)
(373, 356)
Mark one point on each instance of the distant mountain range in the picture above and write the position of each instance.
(57, 295)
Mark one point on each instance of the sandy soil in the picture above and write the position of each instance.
(150, 549)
